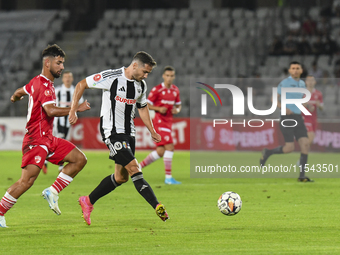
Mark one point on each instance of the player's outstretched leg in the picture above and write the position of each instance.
(266, 153)
(6, 203)
(107, 185)
(146, 191)
(51, 193)
(302, 163)
(76, 162)
(3, 222)
(153, 156)
(86, 208)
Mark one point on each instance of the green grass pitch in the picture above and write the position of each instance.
(279, 216)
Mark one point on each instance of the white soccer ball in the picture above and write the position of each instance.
(229, 203)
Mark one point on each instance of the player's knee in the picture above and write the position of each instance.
(121, 179)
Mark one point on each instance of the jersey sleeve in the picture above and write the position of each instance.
(152, 97)
(321, 98)
(141, 101)
(28, 88)
(178, 99)
(97, 81)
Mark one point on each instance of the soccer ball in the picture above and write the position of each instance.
(229, 203)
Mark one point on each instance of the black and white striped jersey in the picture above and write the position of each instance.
(119, 100)
(64, 98)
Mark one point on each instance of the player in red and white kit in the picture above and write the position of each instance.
(165, 100)
(315, 103)
(39, 143)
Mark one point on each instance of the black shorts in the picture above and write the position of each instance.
(122, 148)
(290, 132)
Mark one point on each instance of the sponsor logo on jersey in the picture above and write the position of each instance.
(48, 93)
(37, 159)
(125, 101)
(97, 77)
(170, 102)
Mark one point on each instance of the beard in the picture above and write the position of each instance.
(55, 74)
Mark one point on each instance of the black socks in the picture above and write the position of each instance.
(105, 187)
(303, 161)
(144, 189)
(277, 150)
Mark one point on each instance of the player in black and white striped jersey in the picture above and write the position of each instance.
(124, 90)
(64, 95)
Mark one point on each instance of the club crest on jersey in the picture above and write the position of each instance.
(126, 145)
(125, 101)
(97, 77)
(37, 159)
(118, 146)
(139, 90)
(48, 93)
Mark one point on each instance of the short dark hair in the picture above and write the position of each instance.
(168, 68)
(295, 63)
(66, 72)
(53, 51)
(144, 58)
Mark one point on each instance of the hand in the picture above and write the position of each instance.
(156, 137)
(84, 106)
(317, 103)
(162, 110)
(72, 117)
(311, 107)
(15, 98)
(288, 111)
(174, 110)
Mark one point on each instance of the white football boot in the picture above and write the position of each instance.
(52, 199)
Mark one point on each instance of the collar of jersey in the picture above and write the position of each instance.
(163, 85)
(125, 75)
(46, 78)
(294, 79)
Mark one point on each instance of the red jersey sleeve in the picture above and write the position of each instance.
(320, 98)
(178, 99)
(28, 88)
(152, 98)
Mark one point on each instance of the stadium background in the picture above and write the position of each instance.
(199, 38)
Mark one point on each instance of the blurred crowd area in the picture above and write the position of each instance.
(210, 39)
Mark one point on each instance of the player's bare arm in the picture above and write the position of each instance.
(160, 109)
(176, 109)
(54, 111)
(78, 92)
(145, 116)
(18, 94)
